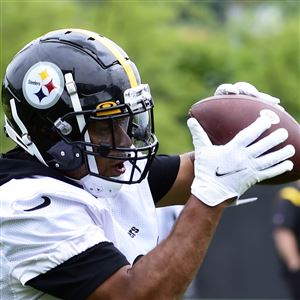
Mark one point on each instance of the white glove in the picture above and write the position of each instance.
(245, 88)
(227, 171)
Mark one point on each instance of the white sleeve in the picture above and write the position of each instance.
(167, 216)
(37, 238)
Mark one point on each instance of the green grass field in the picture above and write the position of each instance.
(5, 143)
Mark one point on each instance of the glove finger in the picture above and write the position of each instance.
(268, 142)
(225, 89)
(268, 160)
(253, 131)
(280, 107)
(246, 88)
(276, 170)
(269, 99)
(200, 137)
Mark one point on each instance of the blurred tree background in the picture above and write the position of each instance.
(183, 49)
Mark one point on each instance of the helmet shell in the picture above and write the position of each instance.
(95, 63)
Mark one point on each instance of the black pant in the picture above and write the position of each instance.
(293, 281)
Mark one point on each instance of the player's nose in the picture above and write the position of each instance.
(122, 139)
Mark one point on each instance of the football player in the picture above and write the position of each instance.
(79, 192)
(286, 235)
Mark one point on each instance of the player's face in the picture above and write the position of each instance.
(113, 134)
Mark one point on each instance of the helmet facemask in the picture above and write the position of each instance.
(119, 133)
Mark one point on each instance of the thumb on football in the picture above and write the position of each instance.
(200, 138)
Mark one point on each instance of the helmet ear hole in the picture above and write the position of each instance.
(65, 156)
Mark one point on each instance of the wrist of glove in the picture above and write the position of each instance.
(228, 171)
(244, 88)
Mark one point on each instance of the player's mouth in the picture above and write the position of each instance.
(118, 169)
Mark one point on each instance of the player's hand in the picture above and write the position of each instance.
(245, 88)
(227, 171)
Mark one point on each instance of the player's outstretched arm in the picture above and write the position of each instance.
(221, 173)
(166, 271)
(287, 246)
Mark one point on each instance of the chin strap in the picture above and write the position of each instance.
(24, 140)
(100, 188)
(72, 90)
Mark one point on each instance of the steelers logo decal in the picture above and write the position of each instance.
(43, 85)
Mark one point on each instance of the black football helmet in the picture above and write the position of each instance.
(62, 83)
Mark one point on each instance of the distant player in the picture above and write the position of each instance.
(286, 221)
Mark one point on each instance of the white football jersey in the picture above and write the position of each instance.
(44, 222)
(167, 217)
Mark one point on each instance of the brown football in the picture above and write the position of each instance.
(222, 117)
